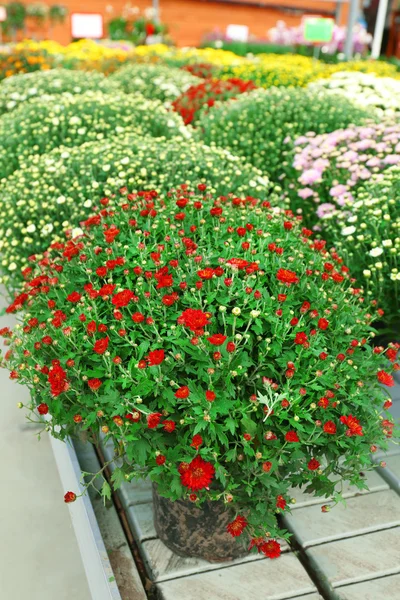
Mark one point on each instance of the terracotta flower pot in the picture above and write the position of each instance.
(193, 531)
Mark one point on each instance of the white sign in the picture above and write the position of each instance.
(3, 13)
(87, 25)
(239, 33)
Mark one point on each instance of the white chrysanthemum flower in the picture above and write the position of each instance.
(375, 252)
(76, 232)
(47, 229)
(348, 230)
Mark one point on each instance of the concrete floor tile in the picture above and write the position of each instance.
(260, 580)
(372, 478)
(393, 465)
(163, 564)
(358, 559)
(141, 521)
(362, 514)
(385, 588)
(309, 597)
(391, 473)
(393, 448)
(136, 492)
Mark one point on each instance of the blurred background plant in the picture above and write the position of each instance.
(135, 27)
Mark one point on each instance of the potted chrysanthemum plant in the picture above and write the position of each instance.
(223, 352)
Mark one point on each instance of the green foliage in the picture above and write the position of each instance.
(367, 233)
(259, 125)
(154, 81)
(39, 125)
(20, 88)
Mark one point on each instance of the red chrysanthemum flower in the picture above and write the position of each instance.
(164, 281)
(169, 426)
(182, 392)
(194, 319)
(238, 263)
(138, 317)
(57, 379)
(323, 324)
(155, 357)
(153, 420)
(391, 354)
(101, 345)
(288, 277)
(329, 427)
(197, 441)
(217, 339)
(210, 396)
(270, 549)
(198, 474)
(385, 378)
(69, 497)
(160, 459)
(237, 526)
(300, 338)
(313, 464)
(353, 425)
(280, 502)
(291, 436)
(206, 273)
(122, 298)
(74, 297)
(43, 409)
(94, 384)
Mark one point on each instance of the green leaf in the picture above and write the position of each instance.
(248, 425)
(141, 448)
(230, 424)
(117, 478)
(106, 491)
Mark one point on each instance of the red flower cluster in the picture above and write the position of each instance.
(352, 424)
(237, 526)
(205, 95)
(203, 70)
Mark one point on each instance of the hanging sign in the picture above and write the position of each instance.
(87, 25)
(317, 29)
(239, 33)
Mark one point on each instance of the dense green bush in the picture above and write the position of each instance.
(37, 127)
(259, 125)
(56, 191)
(154, 81)
(367, 233)
(20, 88)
